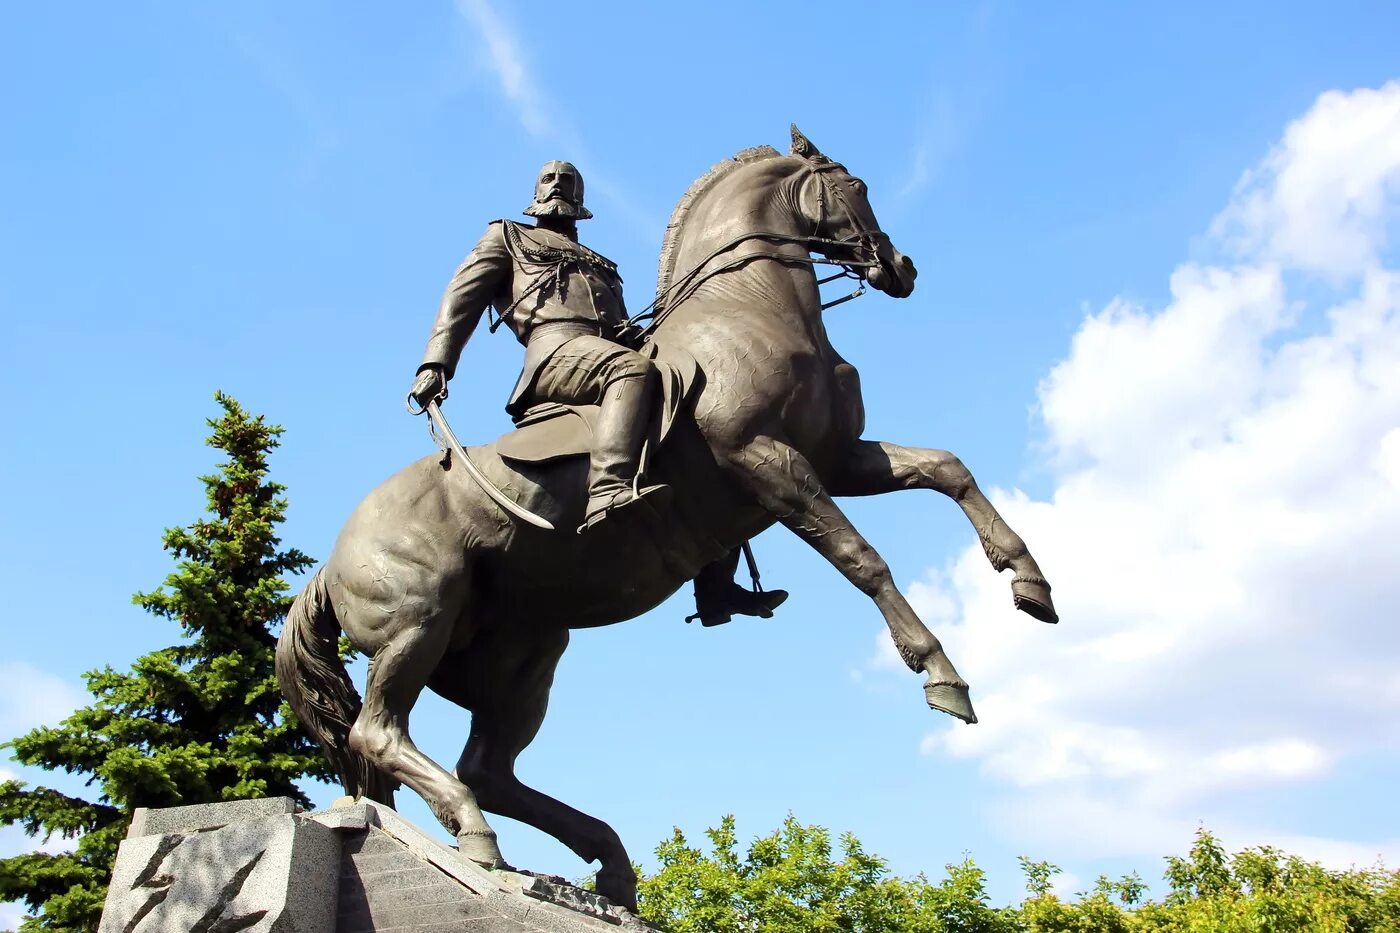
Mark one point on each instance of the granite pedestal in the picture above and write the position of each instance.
(262, 867)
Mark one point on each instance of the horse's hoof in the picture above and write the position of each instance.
(1032, 596)
(620, 889)
(481, 848)
(951, 699)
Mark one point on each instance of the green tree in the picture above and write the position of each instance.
(789, 881)
(198, 722)
(1263, 889)
(786, 881)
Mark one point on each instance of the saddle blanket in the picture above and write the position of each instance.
(542, 465)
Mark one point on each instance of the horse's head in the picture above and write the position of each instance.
(836, 205)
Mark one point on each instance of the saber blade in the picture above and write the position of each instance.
(510, 506)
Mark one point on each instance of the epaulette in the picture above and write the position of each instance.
(517, 233)
(601, 260)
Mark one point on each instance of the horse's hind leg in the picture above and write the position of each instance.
(788, 487)
(508, 696)
(874, 468)
(399, 670)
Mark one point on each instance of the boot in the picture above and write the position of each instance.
(716, 607)
(718, 597)
(618, 434)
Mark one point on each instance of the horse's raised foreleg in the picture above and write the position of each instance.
(874, 468)
(398, 672)
(788, 487)
(509, 696)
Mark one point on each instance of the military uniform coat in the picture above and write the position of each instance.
(534, 278)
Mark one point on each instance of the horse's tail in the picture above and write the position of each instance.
(313, 680)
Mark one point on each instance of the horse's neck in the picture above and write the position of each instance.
(738, 211)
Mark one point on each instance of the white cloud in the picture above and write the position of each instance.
(883, 655)
(1321, 199)
(934, 601)
(30, 697)
(1066, 885)
(10, 916)
(508, 64)
(918, 175)
(511, 68)
(1224, 529)
(14, 841)
(1283, 759)
(1337, 854)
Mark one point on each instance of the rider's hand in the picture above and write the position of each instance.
(428, 386)
(629, 335)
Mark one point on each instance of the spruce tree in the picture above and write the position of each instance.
(198, 722)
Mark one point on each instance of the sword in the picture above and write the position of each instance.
(439, 422)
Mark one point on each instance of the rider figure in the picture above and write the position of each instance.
(564, 303)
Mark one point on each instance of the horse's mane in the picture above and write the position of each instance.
(670, 243)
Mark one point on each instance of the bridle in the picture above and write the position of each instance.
(864, 242)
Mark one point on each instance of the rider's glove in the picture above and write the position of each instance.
(629, 335)
(429, 386)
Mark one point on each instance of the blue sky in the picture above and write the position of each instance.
(1156, 312)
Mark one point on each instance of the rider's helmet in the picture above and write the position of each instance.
(558, 193)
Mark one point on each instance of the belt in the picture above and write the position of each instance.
(569, 328)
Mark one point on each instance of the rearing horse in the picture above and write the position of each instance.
(441, 589)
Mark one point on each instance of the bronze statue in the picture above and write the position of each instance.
(758, 421)
(564, 303)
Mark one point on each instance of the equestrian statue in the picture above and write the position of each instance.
(647, 452)
(564, 302)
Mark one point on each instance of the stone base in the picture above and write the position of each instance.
(259, 866)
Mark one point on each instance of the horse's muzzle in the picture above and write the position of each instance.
(894, 275)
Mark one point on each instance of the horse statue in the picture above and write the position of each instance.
(444, 589)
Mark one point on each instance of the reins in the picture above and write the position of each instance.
(686, 285)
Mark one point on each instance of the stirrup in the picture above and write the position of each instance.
(600, 508)
(718, 608)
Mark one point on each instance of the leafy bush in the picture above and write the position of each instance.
(790, 882)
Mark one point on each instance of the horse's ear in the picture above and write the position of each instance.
(802, 146)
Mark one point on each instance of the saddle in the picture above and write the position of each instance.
(535, 464)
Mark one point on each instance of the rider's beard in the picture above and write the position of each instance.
(557, 207)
